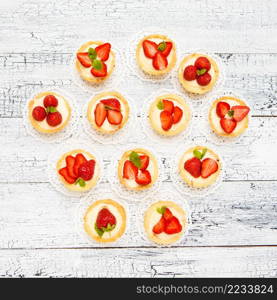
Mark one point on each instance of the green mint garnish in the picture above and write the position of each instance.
(201, 72)
(99, 231)
(81, 182)
(230, 113)
(160, 105)
(135, 159)
(199, 154)
(162, 46)
(97, 64)
(92, 54)
(51, 109)
(161, 210)
(108, 228)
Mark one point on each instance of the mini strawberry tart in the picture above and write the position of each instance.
(78, 170)
(156, 54)
(138, 169)
(49, 112)
(105, 221)
(199, 167)
(228, 116)
(108, 112)
(198, 73)
(95, 61)
(169, 114)
(165, 222)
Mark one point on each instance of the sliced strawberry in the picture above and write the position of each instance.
(222, 109)
(130, 171)
(100, 114)
(168, 106)
(173, 226)
(144, 160)
(240, 112)
(79, 160)
(111, 103)
(50, 100)
(64, 172)
(166, 120)
(114, 117)
(54, 119)
(103, 51)
(204, 79)
(99, 73)
(209, 167)
(104, 218)
(143, 177)
(70, 161)
(168, 47)
(202, 63)
(193, 166)
(177, 114)
(190, 73)
(228, 125)
(160, 226)
(84, 59)
(39, 113)
(159, 62)
(167, 214)
(150, 48)
(86, 170)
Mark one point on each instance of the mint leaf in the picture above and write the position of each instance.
(197, 153)
(201, 72)
(204, 151)
(108, 228)
(81, 182)
(99, 231)
(97, 64)
(230, 113)
(162, 46)
(51, 109)
(160, 105)
(135, 159)
(92, 54)
(161, 210)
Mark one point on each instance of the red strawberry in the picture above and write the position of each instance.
(209, 166)
(39, 113)
(54, 119)
(240, 112)
(50, 100)
(166, 120)
(100, 73)
(130, 171)
(84, 59)
(70, 161)
(104, 218)
(111, 103)
(144, 159)
(150, 48)
(160, 226)
(167, 214)
(193, 166)
(103, 51)
(168, 106)
(143, 177)
(222, 109)
(228, 125)
(168, 47)
(79, 160)
(100, 114)
(190, 73)
(114, 117)
(173, 226)
(204, 79)
(202, 63)
(159, 61)
(86, 170)
(177, 114)
(64, 172)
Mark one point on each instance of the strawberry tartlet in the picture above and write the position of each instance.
(156, 54)
(228, 116)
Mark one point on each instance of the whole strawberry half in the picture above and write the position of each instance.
(54, 119)
(202, 63)
(173, 226)
(190, 73)
(222, 109)
(204, 79)
(112, 103)
(166, 120)
(79, 160)
(86, 170)
(166, 46)
(144, 162)
(193, 166)
(168, 105)
(100, 114)
(209, 167)
(143, 177)
(177, 114)
(84, 59)
(150, 48)
(99, 72)
(70, 162)
(160, 226)
(159, 62)
(103, 51)
(104, 218)
(39, 113)
(50, 100)
(228, 125)
(64, 172)
(130, 171)
(240, 112)
(114, 117)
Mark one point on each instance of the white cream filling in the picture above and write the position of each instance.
(147, 62)
(92, 217)
(61, 108)
(216, 120)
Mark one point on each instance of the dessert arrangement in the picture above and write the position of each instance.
(199, 167)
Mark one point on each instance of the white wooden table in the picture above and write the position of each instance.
(234, 231)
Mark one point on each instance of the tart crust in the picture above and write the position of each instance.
(157, 238)
(80, 68)
(91, 231)
(199, 182)
(112, 94)
(179, 127)
(197, 89)
(151, 70)
(76, 187)
(243, 123)
(36, 124)
(154, 174)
